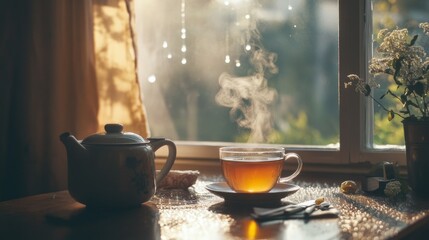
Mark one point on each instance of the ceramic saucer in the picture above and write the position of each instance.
(279, 191)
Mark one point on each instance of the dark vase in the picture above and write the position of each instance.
(417, 148)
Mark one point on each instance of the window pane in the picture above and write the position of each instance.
(391, 14)
(240, 70)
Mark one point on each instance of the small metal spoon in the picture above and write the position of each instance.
(322, 206)
(289, 209)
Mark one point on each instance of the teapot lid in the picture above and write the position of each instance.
(114, 136)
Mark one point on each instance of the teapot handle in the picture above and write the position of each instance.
(157, 143)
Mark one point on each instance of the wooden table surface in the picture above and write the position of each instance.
(197, 214)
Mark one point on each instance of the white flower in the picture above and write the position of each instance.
(425, 27)
(392, 189)
(408, 66)
(360, 85)
(394, 43)
(379, 65)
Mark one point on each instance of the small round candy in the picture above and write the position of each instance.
(348, 187)
(319, 200)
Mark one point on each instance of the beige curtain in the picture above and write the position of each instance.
(120, 99)
(65, 66)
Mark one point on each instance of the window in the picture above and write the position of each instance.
(199, 61)
(389, 14)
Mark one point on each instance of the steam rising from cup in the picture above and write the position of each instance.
(250, 97)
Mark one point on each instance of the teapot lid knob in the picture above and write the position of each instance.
(114, 135)
(113, 128)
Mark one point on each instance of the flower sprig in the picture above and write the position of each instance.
(408, 65)
(392, 189)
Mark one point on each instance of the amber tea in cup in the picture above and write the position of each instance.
(255, 169)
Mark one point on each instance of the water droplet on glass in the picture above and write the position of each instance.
(227, 59)
(151, 78)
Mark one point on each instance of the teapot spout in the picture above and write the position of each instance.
(72, 145)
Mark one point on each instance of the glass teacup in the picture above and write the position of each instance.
(255, 169)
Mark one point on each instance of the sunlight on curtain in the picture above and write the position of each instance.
(120, 100)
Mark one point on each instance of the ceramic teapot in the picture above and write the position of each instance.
(115, 168)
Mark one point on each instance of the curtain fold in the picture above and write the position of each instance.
(56, 77)
(120, 99)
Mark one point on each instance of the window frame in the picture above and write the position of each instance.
(355, 27)
(357, 126)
